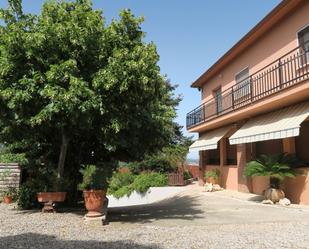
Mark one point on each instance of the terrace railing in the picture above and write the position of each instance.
(290, 69)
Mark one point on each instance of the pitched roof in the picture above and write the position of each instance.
(283, 9)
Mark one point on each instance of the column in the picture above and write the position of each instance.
(289, 145)
(202, 166)
(243, 155)
(223, 156)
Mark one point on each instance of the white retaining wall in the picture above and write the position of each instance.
(152, 195)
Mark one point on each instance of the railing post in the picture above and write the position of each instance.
(251, 88)
(233, 97)
(204, 112)
(280, 73)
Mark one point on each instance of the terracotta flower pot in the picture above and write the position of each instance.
(49, 198)
(273, 194)
(94, 202)
(7, 199)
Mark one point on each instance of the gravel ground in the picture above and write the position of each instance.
(33, 229)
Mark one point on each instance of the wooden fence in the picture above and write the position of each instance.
(176, 179)
(10, 176)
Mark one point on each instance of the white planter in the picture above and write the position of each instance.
(152, 195)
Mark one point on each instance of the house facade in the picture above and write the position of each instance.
(255, 100)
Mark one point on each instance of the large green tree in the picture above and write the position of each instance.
(74, 90)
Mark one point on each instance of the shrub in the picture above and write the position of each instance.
(26, 196)
(187, 175)
(13, 158)
(146, 180)
(156, 163)
(123, 184)
(120, 184)
(214, 173)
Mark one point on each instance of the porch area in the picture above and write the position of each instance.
(233, 150)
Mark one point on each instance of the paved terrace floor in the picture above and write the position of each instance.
(192, 219)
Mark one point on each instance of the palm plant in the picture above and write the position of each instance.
(277, 167)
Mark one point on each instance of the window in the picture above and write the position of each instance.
(242, 88)
(218, 97)
(303, 39)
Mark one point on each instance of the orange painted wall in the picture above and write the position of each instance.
(228, 174)
(281, 39)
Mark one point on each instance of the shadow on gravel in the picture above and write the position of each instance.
(179, 207)
(34, 241)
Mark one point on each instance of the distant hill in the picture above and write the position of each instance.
(192, 161)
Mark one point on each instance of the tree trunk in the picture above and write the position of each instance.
(62, 156)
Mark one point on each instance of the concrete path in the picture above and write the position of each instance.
(193, 207)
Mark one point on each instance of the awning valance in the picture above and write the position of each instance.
(209, 141)
(275, 125)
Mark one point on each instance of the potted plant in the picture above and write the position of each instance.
(212, 176)
(9, 195)
(94, 186)
(52, 189)
(276, 167)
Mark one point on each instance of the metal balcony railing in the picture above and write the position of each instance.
(290, 69)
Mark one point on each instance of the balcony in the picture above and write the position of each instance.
(287, 71)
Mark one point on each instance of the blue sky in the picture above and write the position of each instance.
(190, 35)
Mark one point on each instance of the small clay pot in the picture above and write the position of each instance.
(7, 199)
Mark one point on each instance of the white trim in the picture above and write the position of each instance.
(300, 30)
(247, 67)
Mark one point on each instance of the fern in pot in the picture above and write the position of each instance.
(94, 187)
(276, 167)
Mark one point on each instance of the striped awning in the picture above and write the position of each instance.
(209, 140)
(275, 125)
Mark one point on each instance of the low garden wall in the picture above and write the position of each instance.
(154, 194)
(297, 189)
(10, 176)
(229, 175)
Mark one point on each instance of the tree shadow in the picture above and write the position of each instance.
(34, 241)
(178, 207)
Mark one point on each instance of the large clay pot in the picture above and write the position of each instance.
(49, 198)
(274, 194)
(7, 199)
(212, 180)
(94, 202)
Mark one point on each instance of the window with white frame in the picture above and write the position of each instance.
(303, 39)
(242, 88)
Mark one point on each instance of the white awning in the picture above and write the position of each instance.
(275, 125)
(209, 141)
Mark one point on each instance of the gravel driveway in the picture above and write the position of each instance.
(192, 219)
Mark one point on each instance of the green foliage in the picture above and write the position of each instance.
(64, 76)
(94, 178)
(214, 173)
(120, 184)
(146, 180)
(277, 167)
(123, 184)
(26, 197)
(187, 175)
(13, 158)
(157, 163)
(167, 160)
